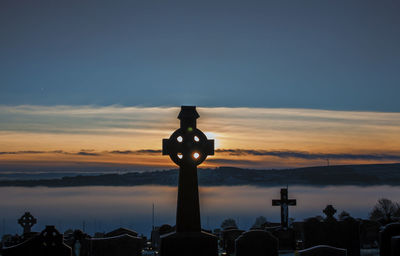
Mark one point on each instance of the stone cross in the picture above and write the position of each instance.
(27, 221)
(188, 147)
(329, 212)
(284, 203)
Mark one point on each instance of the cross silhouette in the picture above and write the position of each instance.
(188, 147)
(284, 203)
(329, 212)
(27, 221)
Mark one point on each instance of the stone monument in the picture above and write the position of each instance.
(188, 147)
(27, 221)
(285, 234)
(284, 203)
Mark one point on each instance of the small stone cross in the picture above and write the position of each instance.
(27, 221)
(329, 212)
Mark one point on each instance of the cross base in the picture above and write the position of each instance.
(189, 243)
(286, 238)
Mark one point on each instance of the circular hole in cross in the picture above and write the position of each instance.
(196, 139)
(179, 139)
(180, 155)
(196, 155)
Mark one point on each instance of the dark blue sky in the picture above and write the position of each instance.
(303, 54)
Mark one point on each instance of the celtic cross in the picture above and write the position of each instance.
(188, 147)
(27, 221)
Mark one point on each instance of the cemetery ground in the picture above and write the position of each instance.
(295, 239)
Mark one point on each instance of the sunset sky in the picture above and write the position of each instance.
(245, 137)
(277, 83)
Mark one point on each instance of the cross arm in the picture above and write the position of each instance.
(165, 147)
(209, 147)
(276, 202)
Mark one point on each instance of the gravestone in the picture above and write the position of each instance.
(256, 243)
(349, 234)
(228, 239)
(125, 231)
(285, 235)
(369, 233)
(313, 232)
(121, 231)
(157, 232)
(123, 245)
(322, 250)
(284, 203)
(79, 243)
(286, 238)
(11, 240)
(329, 212)
(395, 246)
(48, 243)
(342, 234)
(188, 147)
(385, 236)
(27, 221)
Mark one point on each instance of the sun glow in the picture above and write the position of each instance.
(259, 137)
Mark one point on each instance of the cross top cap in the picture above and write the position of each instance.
(188, 145)
(188, 112)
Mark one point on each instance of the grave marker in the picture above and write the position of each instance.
(48, 243)
(188, 147)
(322, 250)
(27, 221)
(256, 243)
(284, 203)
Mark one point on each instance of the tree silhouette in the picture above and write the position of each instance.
(228, 223)
(385, 210)
(343, 215)
(260, 221)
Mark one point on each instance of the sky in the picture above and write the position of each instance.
(278, 83)
(131, 137)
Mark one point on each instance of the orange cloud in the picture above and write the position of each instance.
(266, 138)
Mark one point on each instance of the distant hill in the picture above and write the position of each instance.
(360, 175)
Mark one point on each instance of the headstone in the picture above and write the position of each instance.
(123, 245)
(27, 221)
(48, 243)
(286, 238)
(329, 212)
(121, 231)
(188, 147)
(322, 250)
(157, 232)
(284, 203)
(385, 236)
(342, 234)
(314, 233)
(99, 235)
(395, 246)
(256, 243)
(349, 236)
(11, 240)
(369, 234)
(79, 243)
(285, 234)
(228, 239)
